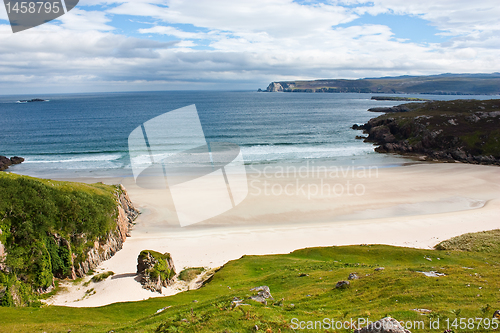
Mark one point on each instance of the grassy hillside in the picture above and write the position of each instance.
(303, 286)
(47, 227)
(448, 84)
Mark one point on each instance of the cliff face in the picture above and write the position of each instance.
(114, 242)
(2, 253)
(460, 130)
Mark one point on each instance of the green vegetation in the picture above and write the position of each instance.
(102, 276)
(190, 273)
(47, 227)
(303, 286)
(487, 241)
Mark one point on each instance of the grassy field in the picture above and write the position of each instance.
(303, 286)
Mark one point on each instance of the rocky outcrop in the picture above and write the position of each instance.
(385, 325)
(106, 248)
(274, 87)
(6, 162)
(460, 130)
(342, 284)
(264, 293)
(156, 270)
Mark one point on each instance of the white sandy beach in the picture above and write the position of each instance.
(417, 205)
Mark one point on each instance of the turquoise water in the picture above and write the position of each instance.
(81, 135)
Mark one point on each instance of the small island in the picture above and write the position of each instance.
(32, 100)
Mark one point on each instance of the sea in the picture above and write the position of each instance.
(86, 135)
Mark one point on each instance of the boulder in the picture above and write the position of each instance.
(353, 276)
(16, 160)
(385, 325)
(342, 284)
(263, 294)
(4, 163)
(155, 269)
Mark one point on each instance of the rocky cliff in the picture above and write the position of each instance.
(105, 249)
(459, 130)
(2, 253)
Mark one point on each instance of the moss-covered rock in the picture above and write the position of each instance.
(156, 270)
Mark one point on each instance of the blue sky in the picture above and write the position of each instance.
(122, 45)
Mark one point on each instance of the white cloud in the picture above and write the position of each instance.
(249, 43)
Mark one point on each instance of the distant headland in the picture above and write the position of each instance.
(443, 84)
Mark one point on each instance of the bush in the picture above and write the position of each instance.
(190, 273)
(102, 276)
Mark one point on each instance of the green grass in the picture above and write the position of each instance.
(190, 273)
(302, 284)
(487, 241)
(102, 276)
(47, 227)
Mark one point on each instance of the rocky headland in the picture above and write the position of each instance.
(443, 84)
(459, 130)
(6, 162)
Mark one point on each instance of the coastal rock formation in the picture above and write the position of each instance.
(460, 130)
(6, 162)
(105, 249)
(155, 269)
(274, 87)
(385, 325)
(397, 108)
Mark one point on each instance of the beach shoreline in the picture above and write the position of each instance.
(417, 205)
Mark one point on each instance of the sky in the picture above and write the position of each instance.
(146, 45)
